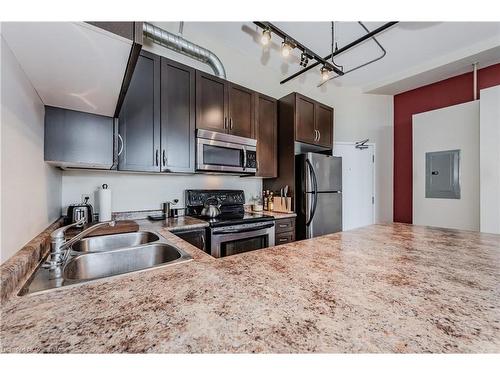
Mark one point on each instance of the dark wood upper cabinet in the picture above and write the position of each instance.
(324, 125)
(241, 111)
(313, 121)
(139, 120)
(305, 128)
(157, 119)
(177, 117)
(211, 102)
(224, 107)
(266, 114)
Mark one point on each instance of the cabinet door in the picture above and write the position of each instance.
(211, 102)
(305, 130)
(324, 125)
(267, 136)
(139, 120)
(177, 117)
(241, 111)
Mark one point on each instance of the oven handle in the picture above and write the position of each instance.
(251, 229)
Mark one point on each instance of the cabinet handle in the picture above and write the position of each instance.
(319, 135)
(120, 139)
(203, 241)
(282, 240)
(231, 123)
(164, 157)
(315, 135)
(283, 225)
(225, 122)
(157, 154)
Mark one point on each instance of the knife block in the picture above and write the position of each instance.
(282, 204)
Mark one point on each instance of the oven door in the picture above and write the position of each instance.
(235, 240)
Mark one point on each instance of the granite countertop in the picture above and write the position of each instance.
(382, 288)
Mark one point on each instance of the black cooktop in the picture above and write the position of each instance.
(231, 207)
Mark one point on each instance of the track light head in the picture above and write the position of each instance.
(286, 48)
(304, 59)
(266, 37)
(325, 72)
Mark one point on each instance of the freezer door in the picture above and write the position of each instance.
(328, 172)
(327, 215)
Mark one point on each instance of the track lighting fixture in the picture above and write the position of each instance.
(325, 73)
(304, 59)
(286, 48)
(266, 37)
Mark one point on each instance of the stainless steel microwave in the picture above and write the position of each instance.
(220, 152)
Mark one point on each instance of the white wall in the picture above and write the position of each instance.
(455, 127)
(357, 115)
(489, 114)
(31, 189)
(137, 191)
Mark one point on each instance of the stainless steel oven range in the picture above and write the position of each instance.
(234, 231)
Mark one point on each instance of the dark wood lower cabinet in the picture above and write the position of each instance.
(284, 231)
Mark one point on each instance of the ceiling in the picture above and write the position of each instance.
(417, 52)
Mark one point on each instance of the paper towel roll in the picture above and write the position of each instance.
(104, 203)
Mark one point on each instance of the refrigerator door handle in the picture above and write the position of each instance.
(314, 192)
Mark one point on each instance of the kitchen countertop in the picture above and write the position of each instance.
(382, 288)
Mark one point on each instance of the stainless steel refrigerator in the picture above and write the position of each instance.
(318, 194)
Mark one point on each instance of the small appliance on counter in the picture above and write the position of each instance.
(231, 230)
(78, 211)
(167, 211)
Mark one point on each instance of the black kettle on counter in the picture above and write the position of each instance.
(79, 211)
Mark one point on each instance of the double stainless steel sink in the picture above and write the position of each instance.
(105, 256)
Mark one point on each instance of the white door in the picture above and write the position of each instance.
(358, 195)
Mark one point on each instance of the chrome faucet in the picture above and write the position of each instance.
(60, 248)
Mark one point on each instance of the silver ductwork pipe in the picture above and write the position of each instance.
(179, 44)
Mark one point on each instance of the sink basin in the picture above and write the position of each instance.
(114, 241)
(110, 263)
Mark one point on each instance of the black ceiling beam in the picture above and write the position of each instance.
(341, 50)
(286, 37)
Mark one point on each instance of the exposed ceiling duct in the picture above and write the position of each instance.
(179, 44)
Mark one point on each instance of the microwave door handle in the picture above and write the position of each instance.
(244, 158)
(314, 192)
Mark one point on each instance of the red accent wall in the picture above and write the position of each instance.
(455, 90)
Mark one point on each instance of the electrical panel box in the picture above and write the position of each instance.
(442, 174)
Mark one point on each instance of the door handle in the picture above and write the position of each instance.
(164, 157)
(225, 122)
(121, 144)
(231, 123)
(314, 192)
(156, 157)
(319, 135)
(315, 135)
